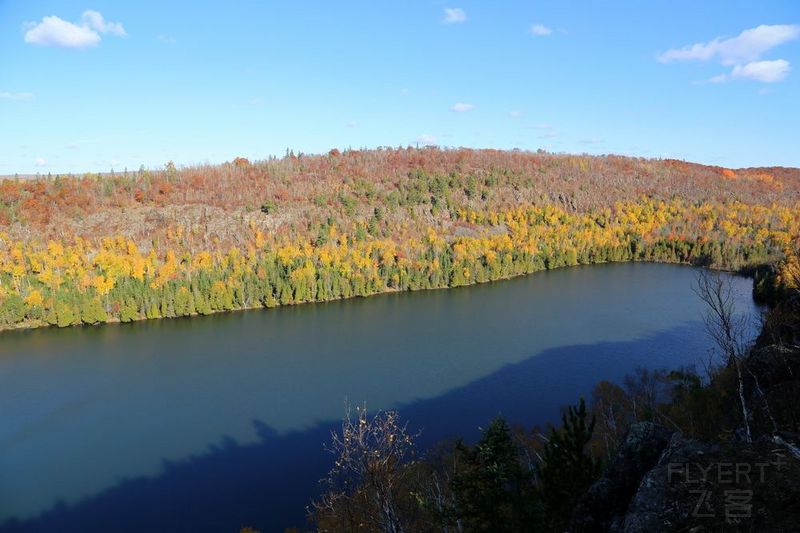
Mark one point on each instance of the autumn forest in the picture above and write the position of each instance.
(172, 242)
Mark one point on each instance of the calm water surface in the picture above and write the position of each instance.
(214, 423)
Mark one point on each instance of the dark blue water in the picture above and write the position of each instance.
(214, 423)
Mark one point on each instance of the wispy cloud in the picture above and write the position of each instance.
(40, 162)
(591, 141)
(96, 21)
(426, 139)
(16, 96)
(748, 46)
(742, 52)
(515, 114)
(56, 32)
(166, 39)
(763, 71)
(454, 15)
(461, 107)
(540, 30)
(351, 124)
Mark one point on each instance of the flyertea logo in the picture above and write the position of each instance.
(737, 482)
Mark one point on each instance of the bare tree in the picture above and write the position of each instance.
(434, 494)
(362, 486)
(728, 329)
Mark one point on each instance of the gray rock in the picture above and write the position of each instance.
(606, 500)
(698, 486)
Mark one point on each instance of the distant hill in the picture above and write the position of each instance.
(172, 242)
(308, 189)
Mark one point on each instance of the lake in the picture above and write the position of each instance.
(214, 423)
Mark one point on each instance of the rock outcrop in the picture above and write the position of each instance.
(607, 499)
(694, 486)
(699, 486)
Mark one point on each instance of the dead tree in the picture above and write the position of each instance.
(727, 328)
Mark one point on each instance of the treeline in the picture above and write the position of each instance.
(66, 283)
(176, 242)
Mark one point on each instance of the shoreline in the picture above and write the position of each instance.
(748, 271)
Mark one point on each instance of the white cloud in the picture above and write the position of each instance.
(53, 31)
(743, 52)
(166, 39)
(591, 141)
(96, 21)
(351, 124)
(57, 32)
(73, 146)
(461, 107)
(515, 114)
(763, 71)
(427, 140)
(40, 161)
(454, 15)
(748, 46)
(541, 30)
(16, 96)
(542, 126)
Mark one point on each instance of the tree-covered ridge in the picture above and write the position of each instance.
(413, 189)
(65, 282)
(177, 242)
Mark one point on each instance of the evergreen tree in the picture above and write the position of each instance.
(492, 489)
(567, 468)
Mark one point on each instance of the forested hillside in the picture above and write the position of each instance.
(176, 242)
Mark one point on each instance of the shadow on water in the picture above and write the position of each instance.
(267, 484)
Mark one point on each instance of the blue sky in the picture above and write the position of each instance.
(92, 85)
